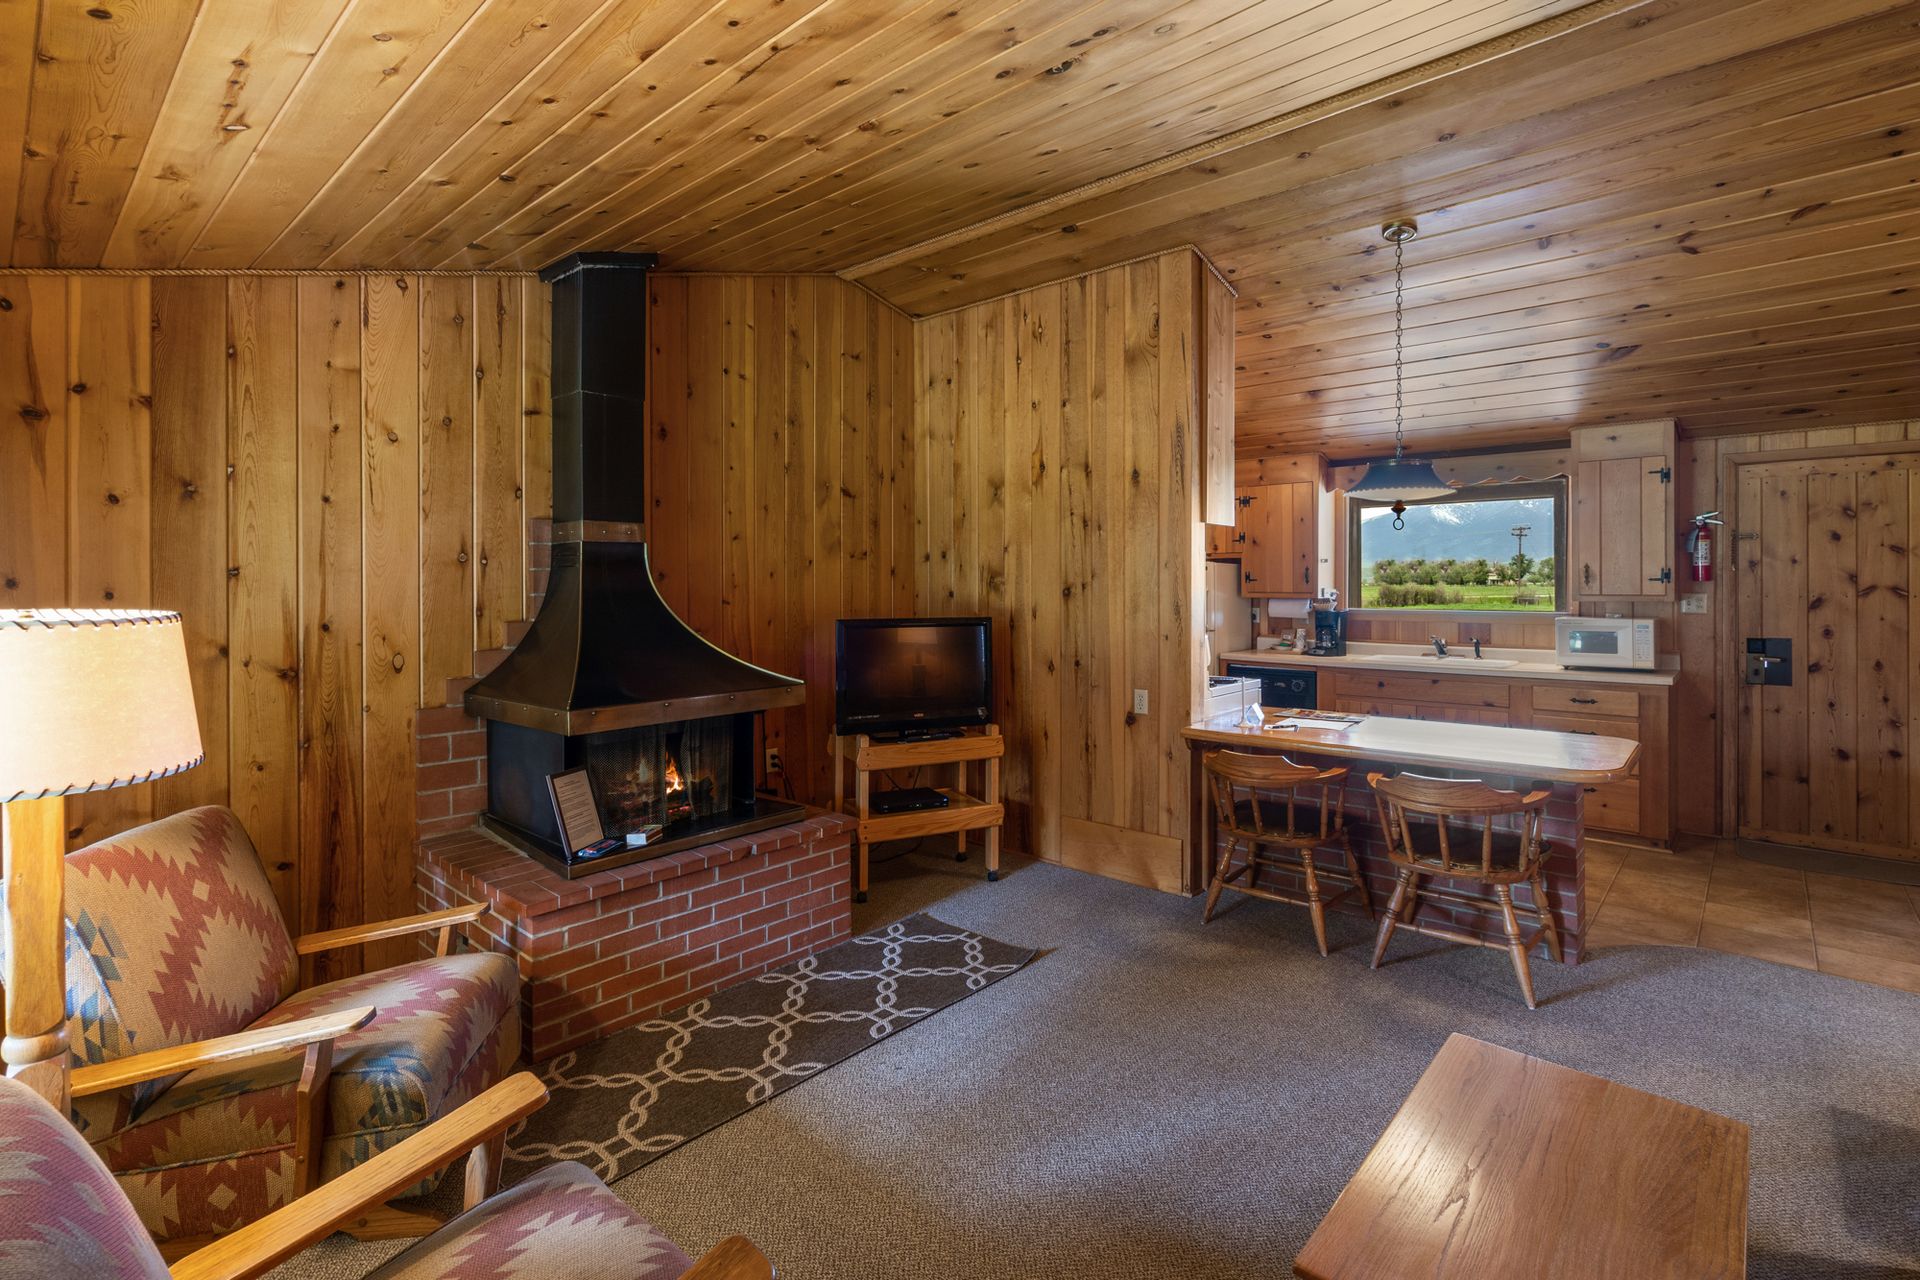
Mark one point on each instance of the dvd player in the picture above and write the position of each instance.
(906, 800)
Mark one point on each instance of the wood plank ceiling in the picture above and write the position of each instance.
(773, 134)
(1700, 209)
(1635, 208)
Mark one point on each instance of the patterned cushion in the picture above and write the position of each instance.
(61, 1217)
(562, 1221)
(173, 935)
(216, 1150)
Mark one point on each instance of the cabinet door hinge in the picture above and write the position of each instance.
(1666, 575)
(1665, 474)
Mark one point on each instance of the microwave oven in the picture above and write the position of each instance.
(1603, 642)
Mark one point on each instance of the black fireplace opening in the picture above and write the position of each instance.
(690, 779)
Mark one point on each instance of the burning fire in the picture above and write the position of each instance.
(673, 778)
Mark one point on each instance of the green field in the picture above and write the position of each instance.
(1476, 598)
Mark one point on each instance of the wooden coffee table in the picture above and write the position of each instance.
(1501, 1166)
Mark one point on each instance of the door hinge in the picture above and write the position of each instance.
(1666, 575)
(1665, 474)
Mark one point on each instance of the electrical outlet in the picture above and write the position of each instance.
(1139, 702)
(1695, 602)
(773, 761)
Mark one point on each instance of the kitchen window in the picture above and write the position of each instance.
(1501, 547)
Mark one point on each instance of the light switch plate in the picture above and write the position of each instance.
(1139, 702)
(1695, 602)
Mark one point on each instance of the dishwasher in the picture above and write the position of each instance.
(1282, 686)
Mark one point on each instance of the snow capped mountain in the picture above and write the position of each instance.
(1457, 531)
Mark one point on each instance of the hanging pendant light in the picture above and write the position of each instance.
(1399, 479)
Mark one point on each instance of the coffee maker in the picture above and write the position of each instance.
(1329, 633)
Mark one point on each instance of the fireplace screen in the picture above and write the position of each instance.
(665, 775)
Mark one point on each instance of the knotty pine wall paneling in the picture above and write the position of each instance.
(780, 464)
(1058, 490)
(329, 477)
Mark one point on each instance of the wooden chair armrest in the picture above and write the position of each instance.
(734, 1258)
(245, 1044)
(260, 1246)
(1533, 798)
(314, 943)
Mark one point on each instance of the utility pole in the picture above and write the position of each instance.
(1520, 532)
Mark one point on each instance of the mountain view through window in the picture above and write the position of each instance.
(1459, 553)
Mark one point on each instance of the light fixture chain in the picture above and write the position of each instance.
(1399, 321)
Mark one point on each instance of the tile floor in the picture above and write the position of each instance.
(1702, 894)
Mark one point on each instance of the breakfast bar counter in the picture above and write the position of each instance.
(1564, 764)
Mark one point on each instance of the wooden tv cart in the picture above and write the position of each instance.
(964, 811)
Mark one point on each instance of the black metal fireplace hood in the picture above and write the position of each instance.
(605, 651)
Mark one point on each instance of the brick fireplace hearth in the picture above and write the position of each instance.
(615, 948)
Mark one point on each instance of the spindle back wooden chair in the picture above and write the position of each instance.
(1267, 802)
(1465, 829)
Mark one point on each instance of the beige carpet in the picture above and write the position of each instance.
(1161, 1098)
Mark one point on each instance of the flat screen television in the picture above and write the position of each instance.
(908, 675)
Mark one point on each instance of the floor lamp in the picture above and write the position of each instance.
(89, 699)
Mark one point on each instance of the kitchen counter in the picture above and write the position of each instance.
(1524, 753)
(1537, 665)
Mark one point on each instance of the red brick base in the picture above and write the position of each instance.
(613, 949)
(1565, 871)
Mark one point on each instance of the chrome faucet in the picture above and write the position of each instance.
(1439, 646)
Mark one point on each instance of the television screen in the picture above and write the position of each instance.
(899, 674)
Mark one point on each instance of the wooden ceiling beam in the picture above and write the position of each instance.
(1705, 379)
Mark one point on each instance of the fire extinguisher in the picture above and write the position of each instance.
(1700, 545)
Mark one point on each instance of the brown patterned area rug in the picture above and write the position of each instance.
(625, 1101)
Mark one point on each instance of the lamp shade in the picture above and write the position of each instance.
(92, 699)
(1399, 480)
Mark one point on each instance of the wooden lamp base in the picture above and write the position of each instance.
(35, 1049)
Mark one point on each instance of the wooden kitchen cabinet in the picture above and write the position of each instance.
(1623, 542)
(1641, 803)
(1280, 538)
(1224, 542)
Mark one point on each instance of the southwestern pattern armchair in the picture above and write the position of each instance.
(180, 972)
(67, 1219)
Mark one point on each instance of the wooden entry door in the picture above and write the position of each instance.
(1821, 557)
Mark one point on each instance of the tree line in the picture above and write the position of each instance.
(1477, 572)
